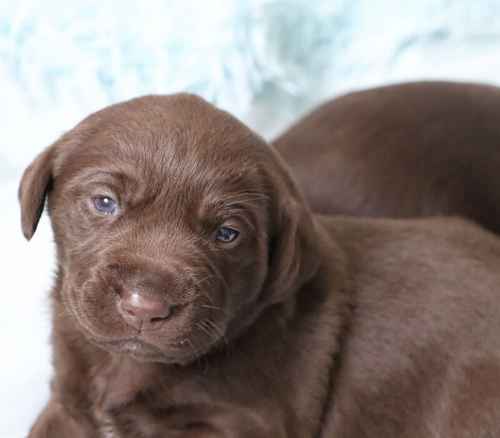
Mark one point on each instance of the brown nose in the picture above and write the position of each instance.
(143, 310)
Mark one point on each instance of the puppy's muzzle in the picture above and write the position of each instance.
(146, 299)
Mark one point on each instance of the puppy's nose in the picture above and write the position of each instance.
(141, 310)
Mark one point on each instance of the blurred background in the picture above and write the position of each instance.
(266, 61)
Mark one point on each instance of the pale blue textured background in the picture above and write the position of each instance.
(265, 61)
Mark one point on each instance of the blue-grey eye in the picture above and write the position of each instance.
(105, 204)
(226, 234)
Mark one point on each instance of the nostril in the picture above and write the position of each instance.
(128, 311)
(170, 311)
(167, 313)
(159, 319)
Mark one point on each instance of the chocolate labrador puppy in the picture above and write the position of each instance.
(408, 150)
(197, 296)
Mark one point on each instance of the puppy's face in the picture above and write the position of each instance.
(166, 217)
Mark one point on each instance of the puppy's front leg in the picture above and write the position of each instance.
(202, 422)
(56, 422)
(247, 426)
(236, 423)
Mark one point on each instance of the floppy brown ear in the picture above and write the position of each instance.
(294, 246)
(33, 189)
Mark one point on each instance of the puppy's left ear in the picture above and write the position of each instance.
(294, 241)
(33, 189)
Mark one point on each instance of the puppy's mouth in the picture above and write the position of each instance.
(141, 350)
(179, 352)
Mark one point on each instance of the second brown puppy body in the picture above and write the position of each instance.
(408, 150)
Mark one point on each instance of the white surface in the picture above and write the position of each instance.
(266, 61)
(24, 319)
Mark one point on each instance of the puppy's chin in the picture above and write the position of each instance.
(142, 349)
(147, 347)
(181, 354)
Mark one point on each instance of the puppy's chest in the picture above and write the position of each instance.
(117, 388)
(138, 400)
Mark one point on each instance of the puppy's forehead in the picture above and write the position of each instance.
(178, 135)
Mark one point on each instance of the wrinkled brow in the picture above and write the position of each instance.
(245, 205)
(114, 179)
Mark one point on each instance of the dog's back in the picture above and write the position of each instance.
(408, 150)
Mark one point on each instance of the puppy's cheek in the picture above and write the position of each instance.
(246, 280)
(100, 307)
(192, 333)
(70, 216)
(94, 309)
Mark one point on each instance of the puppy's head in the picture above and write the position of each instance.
(175, 225)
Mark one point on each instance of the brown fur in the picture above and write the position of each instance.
(306, 326)
(407, 150)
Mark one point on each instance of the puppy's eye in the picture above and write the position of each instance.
(226, 234)
(105, 204)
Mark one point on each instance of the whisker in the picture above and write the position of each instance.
(193, 347)
(204, 328)
(206, 306)
(200, 281)
(218, 330)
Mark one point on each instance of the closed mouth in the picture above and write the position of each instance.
(139, 348)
